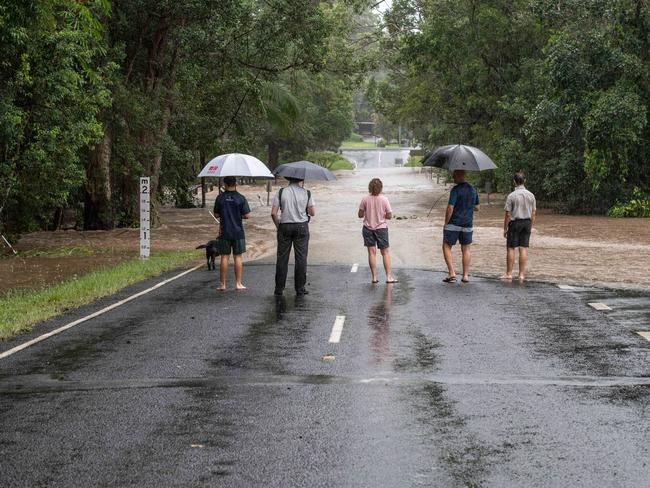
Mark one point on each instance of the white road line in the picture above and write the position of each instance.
(40, 338)
(566, 287)
(599, 306)
(335, 336)
(355, 268)
(645, 335)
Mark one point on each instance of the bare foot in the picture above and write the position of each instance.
(521, 278)
(506, 277)
(239, 286)
(222, 288)
(374, 280)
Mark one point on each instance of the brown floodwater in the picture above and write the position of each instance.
(564, 248)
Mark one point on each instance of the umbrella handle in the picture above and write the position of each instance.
(215, 219)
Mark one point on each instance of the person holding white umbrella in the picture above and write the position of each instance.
(231, 207)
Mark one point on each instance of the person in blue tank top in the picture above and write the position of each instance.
(231, 207)
(463, 202)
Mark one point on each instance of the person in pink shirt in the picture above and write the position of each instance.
(375, 210)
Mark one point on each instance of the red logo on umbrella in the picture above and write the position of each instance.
(212, 169)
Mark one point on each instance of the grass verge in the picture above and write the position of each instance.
(348, 144)
(20, 311)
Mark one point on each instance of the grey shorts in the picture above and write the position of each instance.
(372, 238)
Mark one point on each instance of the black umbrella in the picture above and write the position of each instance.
(459, 156)
(304, 170)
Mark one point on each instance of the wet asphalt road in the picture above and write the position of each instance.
(486, 384)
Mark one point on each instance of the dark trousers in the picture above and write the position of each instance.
(298, 236)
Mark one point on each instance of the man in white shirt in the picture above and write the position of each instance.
(296, 206)
(521, 211)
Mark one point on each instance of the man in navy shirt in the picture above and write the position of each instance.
(231, 207)
(463, 202)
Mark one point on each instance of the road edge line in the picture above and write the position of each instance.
(54, 332)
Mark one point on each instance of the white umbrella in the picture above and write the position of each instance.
(236, 164)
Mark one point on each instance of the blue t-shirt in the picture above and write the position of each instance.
(464, 198)
(230, 206)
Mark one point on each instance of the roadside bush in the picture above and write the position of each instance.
(414, 162)
(638, 206)
(329, 160)
(381, 143)
(354, 137)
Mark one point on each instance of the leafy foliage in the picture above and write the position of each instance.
(51, 93)
(329, 160)
(638, 206)
(558, 89)
(94, 94)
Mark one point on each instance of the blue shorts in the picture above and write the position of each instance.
(234, 246)
(453, 234)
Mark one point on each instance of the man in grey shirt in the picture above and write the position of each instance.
(521, 211)
(296, 206)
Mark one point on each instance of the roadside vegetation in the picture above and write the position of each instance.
(558, 89)
(21, 310)
(638, 206)
(348, 144)
(414, 162)
(330, 160)
(97, 93)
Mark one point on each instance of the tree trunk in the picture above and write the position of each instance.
(98, 214)
(274, 154)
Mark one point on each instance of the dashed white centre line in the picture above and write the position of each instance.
(599, 306)
(645, 335)
(355, 268)
(337, 329)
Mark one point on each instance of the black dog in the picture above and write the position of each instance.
(211, 252)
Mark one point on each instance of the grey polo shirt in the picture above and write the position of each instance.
(521, 203)
(294, 204)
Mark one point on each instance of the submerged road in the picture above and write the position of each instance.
(423, 384)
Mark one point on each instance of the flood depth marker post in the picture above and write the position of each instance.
(145, 218)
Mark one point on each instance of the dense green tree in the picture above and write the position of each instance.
(94, 94)
(559, 89)
(51, 92)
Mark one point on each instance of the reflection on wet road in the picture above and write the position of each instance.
(486, 384)
(379, 323)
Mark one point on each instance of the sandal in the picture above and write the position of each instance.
(449, 279)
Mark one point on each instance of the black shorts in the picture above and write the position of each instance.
(372, 238)
(519, 233)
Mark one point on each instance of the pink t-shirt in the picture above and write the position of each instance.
(375, 208)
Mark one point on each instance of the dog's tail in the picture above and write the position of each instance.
(202, 246)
